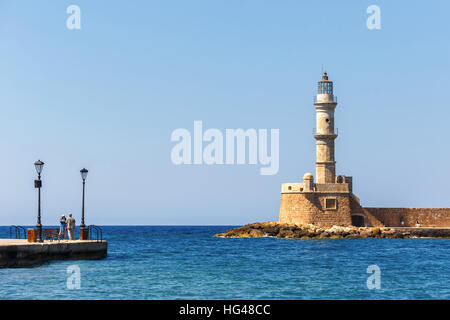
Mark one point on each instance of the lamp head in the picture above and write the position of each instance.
(84, 173)
(39, 165)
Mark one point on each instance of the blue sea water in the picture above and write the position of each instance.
(187, 262)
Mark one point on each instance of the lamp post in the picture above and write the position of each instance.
(83, 233)
(39, 165)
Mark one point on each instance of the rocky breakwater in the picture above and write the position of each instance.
(275, 229)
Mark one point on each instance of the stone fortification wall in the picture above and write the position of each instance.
(427, 217)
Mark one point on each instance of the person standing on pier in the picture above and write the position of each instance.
(62, 227)
(71, 227)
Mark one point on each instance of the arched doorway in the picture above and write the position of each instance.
(358, 220)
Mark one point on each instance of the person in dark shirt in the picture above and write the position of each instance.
(62, 227)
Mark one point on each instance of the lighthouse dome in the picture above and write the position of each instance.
(308, 176)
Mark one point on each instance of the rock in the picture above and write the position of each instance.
(256, 233)
(324, 234)
(285, 233)
(309, 231)
(365, 233)
(375, 232)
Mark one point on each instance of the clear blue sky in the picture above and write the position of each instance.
(107, 97)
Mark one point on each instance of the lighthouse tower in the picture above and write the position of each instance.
(325, 103)
(328, 200)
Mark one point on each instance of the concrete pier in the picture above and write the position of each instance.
(21, 253)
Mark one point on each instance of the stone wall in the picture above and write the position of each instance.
(369, 219)
(427, 217)
(309, 208)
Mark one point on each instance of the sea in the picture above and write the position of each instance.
(188, 262)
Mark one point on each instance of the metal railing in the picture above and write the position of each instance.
(333, 99)
(98, 232)
(336, 131)
(18, 232)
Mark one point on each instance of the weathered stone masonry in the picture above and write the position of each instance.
(427, 217)
(330, 200)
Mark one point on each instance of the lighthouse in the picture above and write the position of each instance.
(326, 199)
(325, 103)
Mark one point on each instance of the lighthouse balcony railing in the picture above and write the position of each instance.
(331, 98)
(335, 131)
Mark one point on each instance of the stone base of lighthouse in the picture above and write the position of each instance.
(311, 208)
(334, 204)
(323, 204)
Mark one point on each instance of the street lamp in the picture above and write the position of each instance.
(83, 235)
(39, 165)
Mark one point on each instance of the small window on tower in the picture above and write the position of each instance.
(327, 120)
(330, 204)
